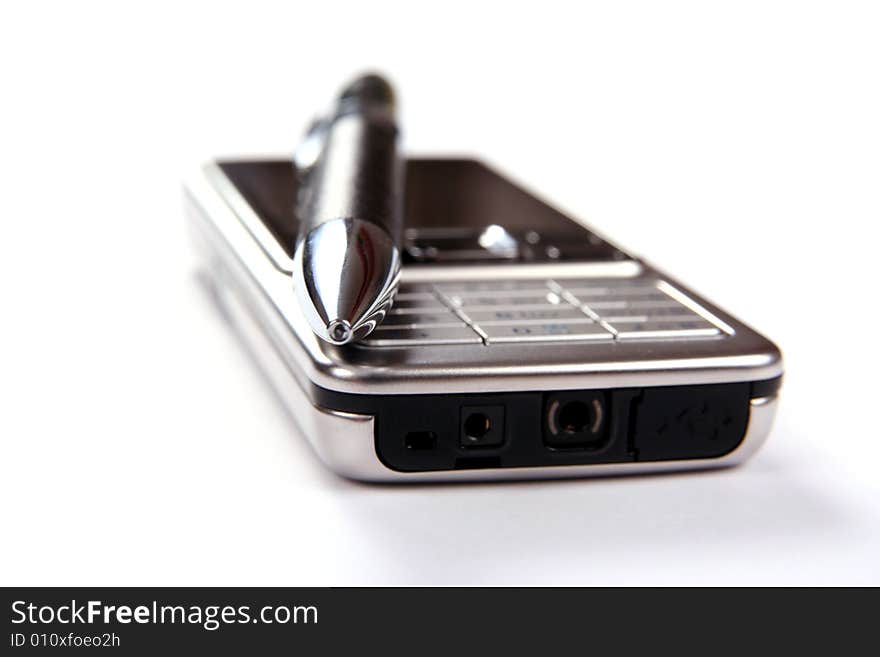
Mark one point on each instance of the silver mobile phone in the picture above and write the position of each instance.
(520, 343)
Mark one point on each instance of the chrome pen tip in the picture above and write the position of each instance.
(345, 274)
(339, 331)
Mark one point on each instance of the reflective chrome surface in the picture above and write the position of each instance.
(344, 441)
(347, 260)
(253, 281)
(345, 274)
(463, 368)
(310, 146)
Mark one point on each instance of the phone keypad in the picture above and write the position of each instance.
(535, 311)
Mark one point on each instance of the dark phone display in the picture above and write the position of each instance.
(455, 211)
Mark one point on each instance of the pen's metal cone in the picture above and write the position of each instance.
(345, 274)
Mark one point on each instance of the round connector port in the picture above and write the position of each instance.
(574, 417)
(481, 427)
(476, 426)
(576, 420)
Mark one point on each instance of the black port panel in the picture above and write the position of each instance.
(417, 433)
(477, 462)
(422, 440)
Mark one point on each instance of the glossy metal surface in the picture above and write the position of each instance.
(347, 273)
(743, 356)
(344, 441)
(347, 261)
(253, 288)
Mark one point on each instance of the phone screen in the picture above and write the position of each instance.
(455, 211)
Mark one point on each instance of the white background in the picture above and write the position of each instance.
(734, 144)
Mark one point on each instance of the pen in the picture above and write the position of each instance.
(347, 259)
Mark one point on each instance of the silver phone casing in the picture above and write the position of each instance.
(249, 274)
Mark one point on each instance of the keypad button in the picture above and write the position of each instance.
(415, 296)
(625, 319)
(415, 288)
(548, 332)
(648, 297)
(655, 330)
(411, 337)
(603, 306)
(408, 305)
(587, 291)
(603, 289)
(421, 319)
(653, 305)
(549, 299)
(631, 315)
(567, 314)
(479, 288)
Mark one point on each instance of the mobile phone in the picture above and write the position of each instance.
(521, 344)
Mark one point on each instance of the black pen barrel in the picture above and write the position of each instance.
(347, 260)
(359, 172)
